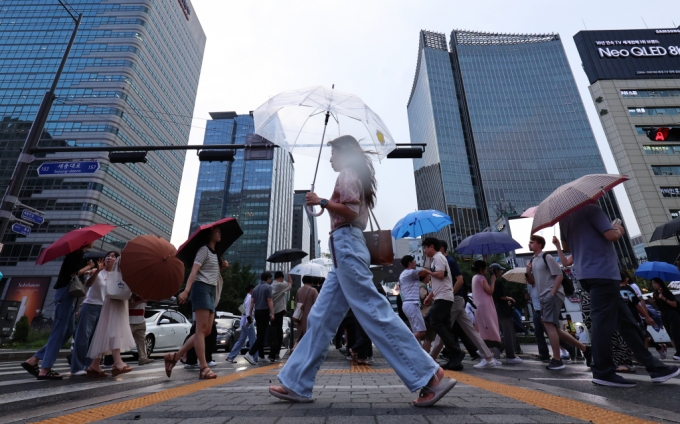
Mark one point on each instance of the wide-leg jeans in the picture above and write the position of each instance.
(62, 329)
(247, 333)
(87, 322)
(350, 284)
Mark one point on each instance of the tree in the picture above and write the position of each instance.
(236, 278)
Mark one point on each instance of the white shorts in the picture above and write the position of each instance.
(415, 317)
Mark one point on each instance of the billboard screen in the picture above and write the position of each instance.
(520, 230)
(630, 54)
(31, 292)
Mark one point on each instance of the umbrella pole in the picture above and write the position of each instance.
(318, 159)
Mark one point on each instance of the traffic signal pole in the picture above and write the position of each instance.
(25, 159)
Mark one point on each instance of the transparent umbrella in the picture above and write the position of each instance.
(303, 121)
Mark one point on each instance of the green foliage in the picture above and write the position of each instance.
(645, 285)
(21, 330)
(236, 279)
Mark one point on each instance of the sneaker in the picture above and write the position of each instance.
(564, 355)
(273, 360)
(344, 351)
(79, 373)
(484, 364)
(231, 360)
(456, 363)
(676, 357)
(588, 354)
(666, 374)
(515, 360)
(191, 366)
(496, 362)
(146, 361)
(212, 363)
(613, 381)
(662, 349)
(555, 364)
(250, 359)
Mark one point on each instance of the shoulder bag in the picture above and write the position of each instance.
(379, 243)
(297, 313)
(76, 288)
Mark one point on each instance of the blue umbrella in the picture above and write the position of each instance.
(663, 270)
(420, 222)
(487, 243)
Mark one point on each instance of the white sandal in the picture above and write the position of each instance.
(439, 391)
(291, 396)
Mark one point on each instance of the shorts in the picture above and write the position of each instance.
(202, 296)
(550, 308)
(415, 318)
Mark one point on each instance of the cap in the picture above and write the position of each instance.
(495, 266)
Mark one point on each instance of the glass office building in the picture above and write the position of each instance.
(131, 79)
(305, 233)
(256, 189)
(504, 126)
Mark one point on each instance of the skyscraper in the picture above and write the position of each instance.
(131, 79)
(305, 234)
(256, 189)
(504, 126)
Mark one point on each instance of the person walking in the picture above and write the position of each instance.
(202, 285)
(590, 237)
(409, 284)
(264, 314)
(485, 316)
(113, 329)
(667, 305)
(306, 295)
(350, 284)
(280, 289)
(544, 270)
(137, 308)
(63, 326)
(247, 327)
(191, 358)
(505, 308)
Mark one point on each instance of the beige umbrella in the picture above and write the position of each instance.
(573, 196)
(516, 275)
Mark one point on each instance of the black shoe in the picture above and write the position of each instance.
(455, 363)
(613, 381)
(544, 358)
(589, 356)
(443, 357)
(555, 364)
(344, 351)
(664, 374)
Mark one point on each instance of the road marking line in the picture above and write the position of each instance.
(571, 408)
(111, 410)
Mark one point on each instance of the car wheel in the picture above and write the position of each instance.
(150, 342)
(230, 345)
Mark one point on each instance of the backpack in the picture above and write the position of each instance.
(566, 281)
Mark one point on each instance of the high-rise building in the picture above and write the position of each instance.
(635, 87)
(131, 79)
(305, 235)
(504, 126)
(256, 189)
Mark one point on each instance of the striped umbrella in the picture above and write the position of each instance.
(573, 196)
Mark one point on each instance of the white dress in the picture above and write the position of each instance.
(113, 329)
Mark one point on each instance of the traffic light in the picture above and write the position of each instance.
(406, 153)
(127, 157)
(216, 155)
(664, 134)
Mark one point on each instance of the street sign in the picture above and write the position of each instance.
(21, 229)
(67, 168)
(31, 216)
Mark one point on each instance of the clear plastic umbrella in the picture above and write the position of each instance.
(312, 269)
(303, 121)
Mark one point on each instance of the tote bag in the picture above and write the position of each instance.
(379, 243)
(76, 288)
(115, 286)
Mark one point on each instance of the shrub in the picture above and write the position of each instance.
(21, 330)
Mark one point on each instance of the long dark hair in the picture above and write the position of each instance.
(361, 163)
(664, 289)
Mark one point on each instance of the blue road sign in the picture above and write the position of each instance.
(67, 168)
(32, 217)
(21, 229)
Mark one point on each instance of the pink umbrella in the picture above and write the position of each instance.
(530, 212)
(72, 241)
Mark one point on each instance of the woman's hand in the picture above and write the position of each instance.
(661, 296)
(312, 199)
(556, 242)
(183, 297)
(224, 264)
(100, 265)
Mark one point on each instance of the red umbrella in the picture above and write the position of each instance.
(73, 241)
(230, 230)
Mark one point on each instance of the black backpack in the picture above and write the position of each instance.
(566, 281)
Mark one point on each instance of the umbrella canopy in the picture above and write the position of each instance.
(573, 196)
(287, 255)
(72, 241)
(666, 230)
(295, 120)
(418, 223)
(150, 267)
(315, 270)
(487, 243)
(663, 270)
(529, 213)
(516, 275)
(230, 230)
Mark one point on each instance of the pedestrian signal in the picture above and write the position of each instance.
(664, 134)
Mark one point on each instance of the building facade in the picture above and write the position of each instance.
(504, 126)
(256, 189)
(123, 84)
(305, 234)
(635, 86)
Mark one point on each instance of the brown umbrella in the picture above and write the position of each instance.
(150, 268)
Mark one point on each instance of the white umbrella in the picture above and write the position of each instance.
(311, 269)
(516, 275)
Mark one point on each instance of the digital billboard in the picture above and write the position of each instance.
(630, 54)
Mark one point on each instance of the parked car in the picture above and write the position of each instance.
(228, 331)
(286, 337)
(166, 331)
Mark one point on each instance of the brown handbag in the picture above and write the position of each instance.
(379, 243)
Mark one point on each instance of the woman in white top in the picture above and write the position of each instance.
(113, 329)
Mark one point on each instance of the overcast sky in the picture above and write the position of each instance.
(257, 49)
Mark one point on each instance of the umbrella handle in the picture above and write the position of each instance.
(310, 211)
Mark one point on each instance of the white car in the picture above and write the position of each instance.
(166, 330)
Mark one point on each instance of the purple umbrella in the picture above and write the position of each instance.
(487, 243)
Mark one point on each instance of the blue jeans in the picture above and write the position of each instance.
(87, 322)
(247, 332)
(350, 284)
(62, 329)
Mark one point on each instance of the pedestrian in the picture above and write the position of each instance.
(280, 289)
(88, 316)
(485, 316)
(667, 305)
(264, 314)
(307, 296)
(112, 333)
(539, 330)
(137, 308)
(202, 288)
(505, 308)
(409, 284)
(62, 329)
(430, 335)
(547, 275)
(350, 284)
(590, 237)
(247, 327)
(639, 311)
(191, 358)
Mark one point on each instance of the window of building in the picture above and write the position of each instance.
(674, 213)
(666, 170)
(654, 111)
(662, 150)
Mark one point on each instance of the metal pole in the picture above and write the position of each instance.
(25, 159)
